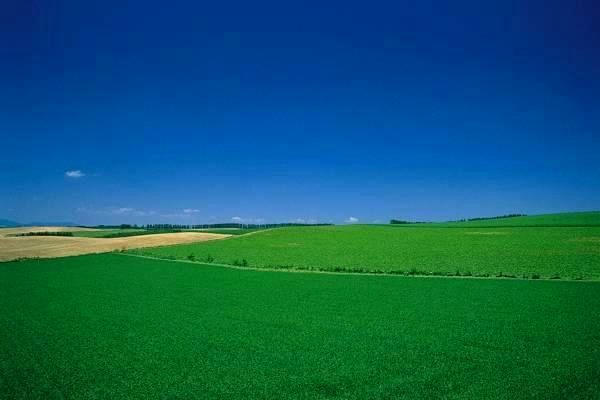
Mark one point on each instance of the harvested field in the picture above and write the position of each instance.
(55, 246)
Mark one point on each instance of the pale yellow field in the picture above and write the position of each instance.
(58, 246)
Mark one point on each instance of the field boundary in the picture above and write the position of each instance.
(325, 272)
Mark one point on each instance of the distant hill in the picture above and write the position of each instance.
(50, 223)
(6, 223)
(588, 218)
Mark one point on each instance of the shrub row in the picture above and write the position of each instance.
(45, 234)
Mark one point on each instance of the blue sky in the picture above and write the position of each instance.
(197, 112)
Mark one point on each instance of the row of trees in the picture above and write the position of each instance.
(201, 226)
(226, 225)
(495, 217)
(45, 234)
(402, 222)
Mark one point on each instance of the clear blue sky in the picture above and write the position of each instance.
(190, 112)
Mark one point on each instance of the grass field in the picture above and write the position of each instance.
(543, 252)
(116, 326)
(103, 233)
(571, 219)
(231, 231)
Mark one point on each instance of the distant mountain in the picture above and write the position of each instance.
(50, 223)
(5, 223)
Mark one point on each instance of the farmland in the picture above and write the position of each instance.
(162, 322)
(15, 247)
(113, 326)
(572, 219)
(103, 233)
(527, 252)
(114, 233)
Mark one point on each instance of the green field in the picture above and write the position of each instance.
(103, 233)
(572, 219)
(543, 252)
(228, 231)
(116, 326)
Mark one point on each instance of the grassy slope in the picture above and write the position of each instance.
(112, 326)
(566, 252)
(573, 219)
(107, 232)
(227, 231)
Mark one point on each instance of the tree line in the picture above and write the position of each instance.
(488, 218)
(404, 222)
(202, 226)
(45, 234)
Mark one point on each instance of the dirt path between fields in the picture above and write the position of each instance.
(12, 248)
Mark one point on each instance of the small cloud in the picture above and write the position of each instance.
(191, 211)
(132, 211)
(76, 173)
(299, 221)
(352, 220)
(123, 210)
(141, 213)
(236, 219)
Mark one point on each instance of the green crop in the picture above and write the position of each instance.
(104, 233)
(121, 327)
(545, 252)
(228, 231)
(572, 219)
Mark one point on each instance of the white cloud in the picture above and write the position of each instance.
(351, 220)
(190, 211)
(299, 221)
(76, 173)
(250, 220)
(132, 211)
(123, 210)
(141, 213)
